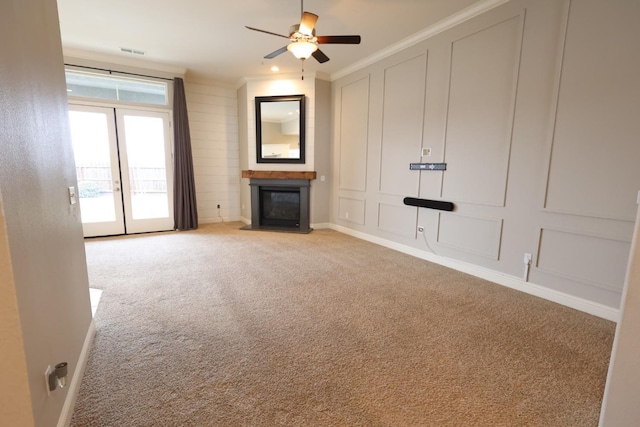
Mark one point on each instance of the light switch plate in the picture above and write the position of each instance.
(47, 375)
(426, 152)
(73, 198)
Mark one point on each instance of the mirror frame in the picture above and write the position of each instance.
(280, 98)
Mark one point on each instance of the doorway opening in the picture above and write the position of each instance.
(124, 171)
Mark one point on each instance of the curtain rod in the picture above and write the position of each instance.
(119, 72)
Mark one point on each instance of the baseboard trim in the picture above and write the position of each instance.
(76, 380)
(506, 280)
(218, 220)
(321, 225)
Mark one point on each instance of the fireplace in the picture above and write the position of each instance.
(279, 204)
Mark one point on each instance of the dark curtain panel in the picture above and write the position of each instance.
(184, 194)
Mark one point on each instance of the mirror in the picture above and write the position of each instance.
(280, 129)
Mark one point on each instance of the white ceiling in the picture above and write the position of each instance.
(208, 37)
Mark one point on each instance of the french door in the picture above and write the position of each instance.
(123, 166)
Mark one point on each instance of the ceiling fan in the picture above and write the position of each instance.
(303, 40)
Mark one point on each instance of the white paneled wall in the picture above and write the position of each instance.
(213, 122)
(538, 137)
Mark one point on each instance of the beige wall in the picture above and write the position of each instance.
(41, 246)
(15, 393)
(532, 110)
(321, 194)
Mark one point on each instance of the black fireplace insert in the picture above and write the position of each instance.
(280, 206)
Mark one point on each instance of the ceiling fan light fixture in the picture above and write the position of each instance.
(302, 49)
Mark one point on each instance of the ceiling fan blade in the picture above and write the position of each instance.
(339, 39)
(276, 53)
(307, 23)
(266, 32)
(320, 56)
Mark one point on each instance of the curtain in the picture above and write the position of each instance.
(184, 195)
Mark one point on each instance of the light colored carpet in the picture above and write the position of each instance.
(222, 327)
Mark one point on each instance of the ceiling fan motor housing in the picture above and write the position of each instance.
(295, 34)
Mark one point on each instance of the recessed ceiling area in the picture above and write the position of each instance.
(210, 40)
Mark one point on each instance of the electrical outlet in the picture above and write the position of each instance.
(218, 205)
(420, 229)
(527, 258)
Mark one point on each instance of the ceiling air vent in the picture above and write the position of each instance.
(132, 51)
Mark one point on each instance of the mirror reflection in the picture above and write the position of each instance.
(280, 129)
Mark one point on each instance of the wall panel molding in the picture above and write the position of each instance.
(484, 74)
(592, 142)
(470, 233)
(397, 219)
(353, 135)
(351, 210)
(402, 125)
(586, 258)
(516, 89)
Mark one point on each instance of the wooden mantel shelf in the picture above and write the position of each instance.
(279, 174)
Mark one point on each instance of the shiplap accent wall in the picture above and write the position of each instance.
(213, 122)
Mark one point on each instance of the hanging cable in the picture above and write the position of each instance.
(426, 242)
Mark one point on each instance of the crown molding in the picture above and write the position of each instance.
(283, 76)
(449, 22)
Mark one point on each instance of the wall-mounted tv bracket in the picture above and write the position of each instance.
(429, 204)
(428, 166)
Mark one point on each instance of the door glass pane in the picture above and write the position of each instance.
(147, 166)
(90, 137)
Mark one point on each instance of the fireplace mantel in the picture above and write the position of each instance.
(279, 174)
(265, 186)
